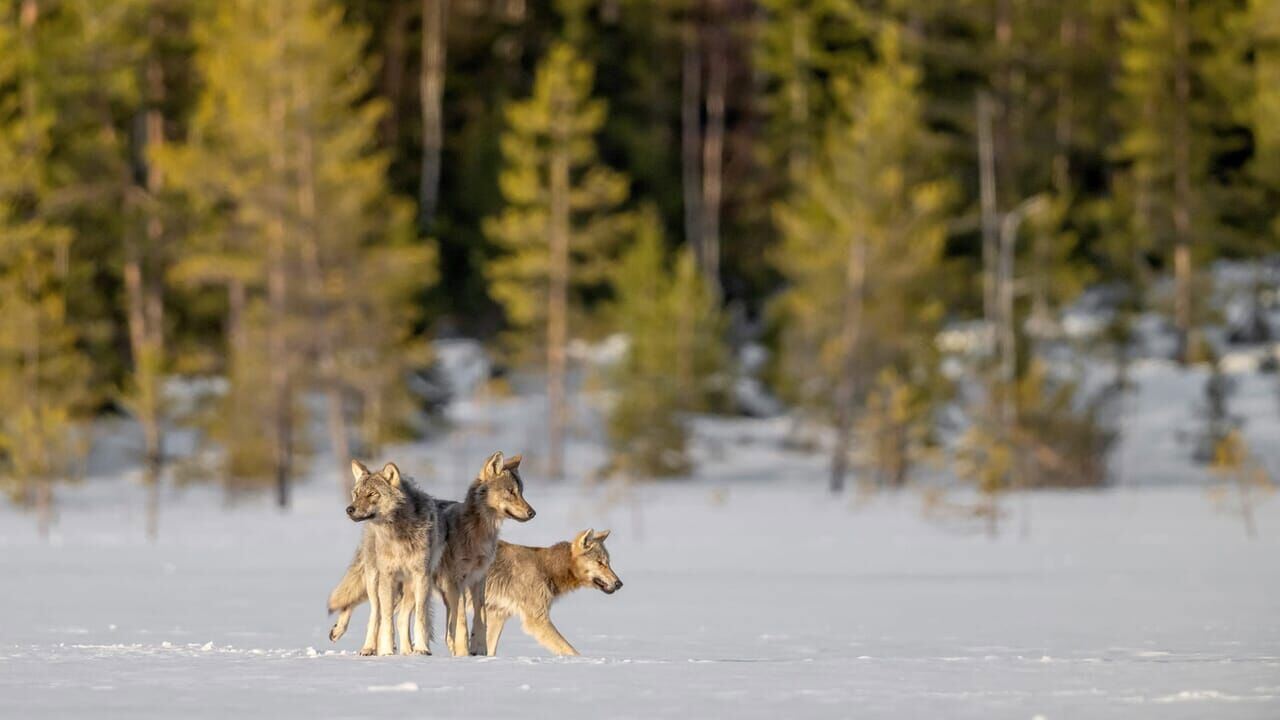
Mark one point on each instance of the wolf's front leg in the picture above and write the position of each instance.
(421, 591)
(371, 634)
(479, 630)
(547, 635)
(386, 606)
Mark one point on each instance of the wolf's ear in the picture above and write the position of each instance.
(392, 474)
(492, 466)
(600, 536)
(358, 470)
(584, 539)
(512, 462)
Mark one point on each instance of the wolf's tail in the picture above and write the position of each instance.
(350, 590)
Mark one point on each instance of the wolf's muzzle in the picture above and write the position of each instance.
(608, 589)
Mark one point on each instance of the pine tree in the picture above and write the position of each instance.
(560, 220)
(860, 239)
(800, 44)
(43, 374)
(317, 258)
(1167, 111)
(674, 353)
(146, 240)
(1261, 25)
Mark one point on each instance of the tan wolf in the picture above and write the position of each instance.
(471, 537)
(525, 581)
(399, 553)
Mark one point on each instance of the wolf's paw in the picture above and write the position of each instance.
(421, 651)
(336, 632)
(368, 651)
(385, 653)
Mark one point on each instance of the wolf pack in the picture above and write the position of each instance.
(414, 545)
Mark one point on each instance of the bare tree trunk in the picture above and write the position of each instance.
(321, 307)
(798, 100)
(846, 385)
(237, 297)
(29, 12)
(44, 506)
(992, 511)
(1008, 342)
(393, 65)
(27, 16)
(341, 443)
(151, 479)
(435, 15)
(1063, 120)
(1246, 503)
(1183, 314)
(691, 133)
(278, 321)
(144, 288)
(990, 217)
(1143, 212)
(1063, 130)
(713, 152)
(557, 308)
(1004, 81)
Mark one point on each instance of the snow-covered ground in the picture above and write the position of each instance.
(749, 593)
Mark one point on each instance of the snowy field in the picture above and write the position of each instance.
(743, 598)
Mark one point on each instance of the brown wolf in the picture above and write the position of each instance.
(525, 581)
(471, 537)
(399, 552)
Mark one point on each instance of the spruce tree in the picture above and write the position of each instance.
(861, 237)
(674, 353)
(1167, 111)
(44, 375)
(1262, 27)
(295, 221)
(800, 44)
(560, 221)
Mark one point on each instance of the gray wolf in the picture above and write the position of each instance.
(471, 537)
(472, 541)
(525, 581)
(399, 553)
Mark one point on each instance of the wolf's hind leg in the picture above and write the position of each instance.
(477, 643)
(541, 629)
(455, 620)
(494, 620)
(371, 634)
(404, 615)
(419, 588)
(340, 626)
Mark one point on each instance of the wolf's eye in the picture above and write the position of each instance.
(373, 496)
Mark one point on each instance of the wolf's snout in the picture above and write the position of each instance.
(617, 586)
(532, 512)
(351, 510)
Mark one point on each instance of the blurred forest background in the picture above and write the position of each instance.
(878, 216)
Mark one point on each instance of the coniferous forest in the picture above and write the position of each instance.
(884, 212)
